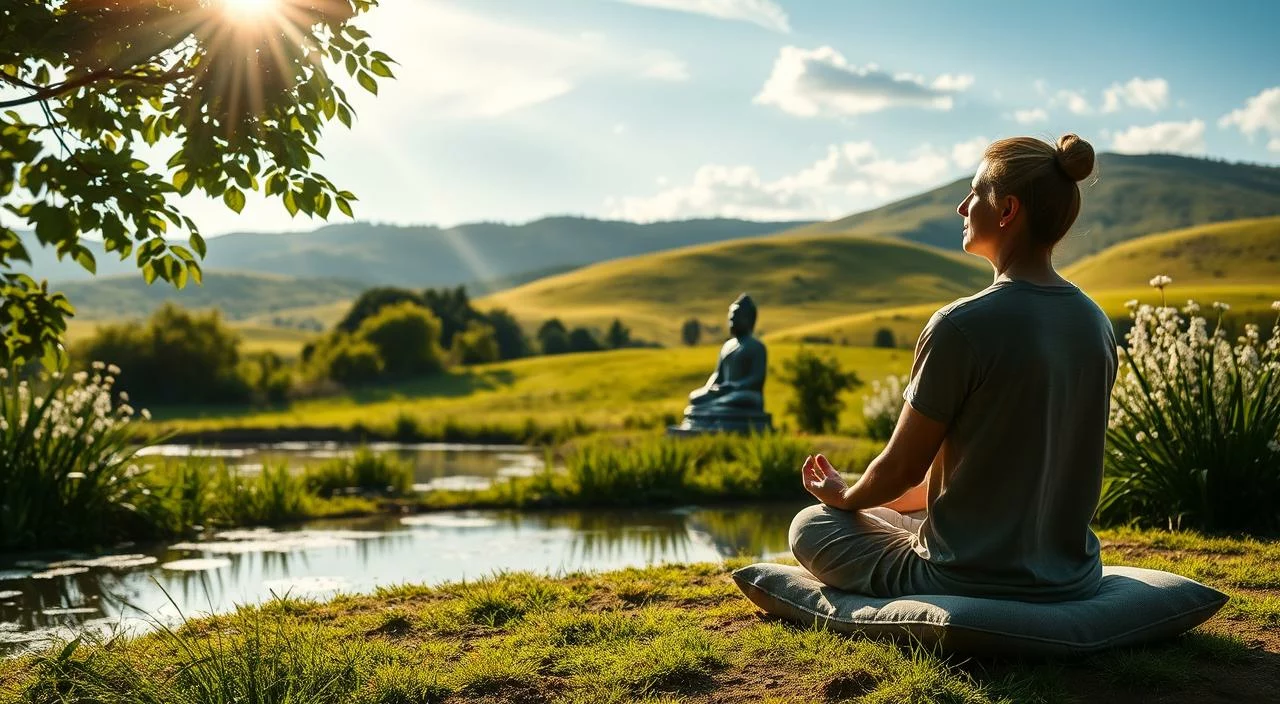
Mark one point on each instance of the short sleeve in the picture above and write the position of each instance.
(944, 371)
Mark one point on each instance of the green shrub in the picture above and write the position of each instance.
(176, 357)
(67, 471)
(1194, 435)
(817, 382)
(366, 471)
(407, 337)
(881, 407)
(475, 345)
(884, 338)
(348, 361)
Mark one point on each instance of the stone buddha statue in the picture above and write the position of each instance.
(733, 397)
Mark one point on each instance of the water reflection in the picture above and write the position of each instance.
(358, 555)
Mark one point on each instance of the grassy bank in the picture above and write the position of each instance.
(539, 399)
(662, 634)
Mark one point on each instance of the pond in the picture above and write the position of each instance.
(57, 595)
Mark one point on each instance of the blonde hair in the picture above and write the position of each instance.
(1043, 178)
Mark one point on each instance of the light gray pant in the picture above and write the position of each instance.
(867, 552)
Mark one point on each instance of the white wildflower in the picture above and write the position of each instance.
(146, 415)
(75, 475)
(98, 366)
(1160, 281)
(1275, 305)
(1131, 303)
(4, 373)
(113, 369)
(80, 378)
(1219, 305)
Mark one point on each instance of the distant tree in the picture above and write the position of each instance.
(884, 338)
(475, 345)
(175, 357)
(553, 337)
(512, 343)
(816, 382)
(691, 331)
(453, 308)
(225, 107)
(371, 301)
(407, 337)
(618, 335)
(583, 340)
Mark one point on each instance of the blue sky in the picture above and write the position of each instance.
(771, 109)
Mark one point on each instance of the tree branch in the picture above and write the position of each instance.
(53, 91)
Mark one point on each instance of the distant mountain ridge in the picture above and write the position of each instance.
(427, 256)
(1129, 196)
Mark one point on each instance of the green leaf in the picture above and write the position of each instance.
(366, 81)
(381, 69)
(85, 259)
(234, 198)
(344, 206)
(290, 203)
(149, 272)
(197, 243)
(196, 274)
(344, 115)
(180, 179)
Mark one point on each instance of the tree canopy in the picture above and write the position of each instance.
(112, 109)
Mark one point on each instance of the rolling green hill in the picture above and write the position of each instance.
(1236, 252)
(1130, 196)
(238, 295)
(793, 280)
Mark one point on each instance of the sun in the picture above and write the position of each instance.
(249, 8)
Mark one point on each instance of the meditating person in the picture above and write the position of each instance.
(1001, 437)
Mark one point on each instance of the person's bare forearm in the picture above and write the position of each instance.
(916, 498)
(877, 486)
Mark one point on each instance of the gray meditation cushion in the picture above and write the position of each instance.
(1132, 606)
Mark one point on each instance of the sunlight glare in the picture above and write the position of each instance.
(247, 9)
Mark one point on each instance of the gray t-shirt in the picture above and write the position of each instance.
(1022, 375)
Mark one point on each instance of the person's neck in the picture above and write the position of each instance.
(1035, 269)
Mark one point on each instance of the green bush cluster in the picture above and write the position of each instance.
(817, 382)
(175, 357)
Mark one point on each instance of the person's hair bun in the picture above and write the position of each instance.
(1075, 157)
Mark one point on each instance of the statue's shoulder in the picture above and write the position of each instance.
(752, 343)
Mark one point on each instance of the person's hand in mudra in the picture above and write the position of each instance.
(823, 481)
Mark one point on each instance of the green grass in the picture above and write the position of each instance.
(794, 281)
(1236, 252)
(539, 397)
(674, 633)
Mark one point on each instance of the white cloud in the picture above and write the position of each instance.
(1261, 113)
(850, 176)
(1148, 93)
(1074, 102)
(821, 82)
(665, 67)
(1164, 137)
(966, 155)
(765, 13)
(1032, 116)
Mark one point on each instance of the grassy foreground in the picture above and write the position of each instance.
(662, 634)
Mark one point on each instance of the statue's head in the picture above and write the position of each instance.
(742, 316)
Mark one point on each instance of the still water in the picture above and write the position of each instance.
(57, 595)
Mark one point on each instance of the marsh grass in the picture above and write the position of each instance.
(669, 633)
(657, 470)
(365, 471)
(66, 451)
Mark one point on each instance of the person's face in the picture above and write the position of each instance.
(982, 224)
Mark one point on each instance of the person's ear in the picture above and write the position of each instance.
(1010, 211)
